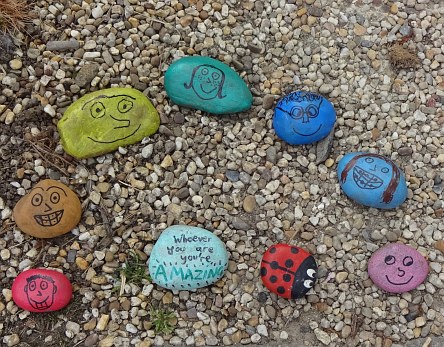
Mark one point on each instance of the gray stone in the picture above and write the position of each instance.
(323, 147)
(61, 46)
(86, 74)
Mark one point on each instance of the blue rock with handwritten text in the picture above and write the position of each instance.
(372, 180)
(303, 117)
(207, 84)
(186, 257)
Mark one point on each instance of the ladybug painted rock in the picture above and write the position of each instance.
(288, 271)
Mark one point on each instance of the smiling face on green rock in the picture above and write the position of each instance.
(110, 119)
(104, 120)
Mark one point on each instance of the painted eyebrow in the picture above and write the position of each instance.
(57, 188)
(106, 97)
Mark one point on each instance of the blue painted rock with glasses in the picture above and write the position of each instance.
(372, 180)
(303, 117)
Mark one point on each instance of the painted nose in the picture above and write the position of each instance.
(305, 118)
(39, 293)
(48, 208)
(374, 169)
(401, 272)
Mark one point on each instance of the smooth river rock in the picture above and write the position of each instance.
(397, 268)
(186, 257)
(207, 84)
(41, 290)
(49, 210)
(372, 180)
(288, 271)
(303, 117)
(102, 121)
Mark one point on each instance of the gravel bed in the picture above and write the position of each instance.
(228, 174)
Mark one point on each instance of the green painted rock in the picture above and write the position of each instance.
(102, 121)
(208, 85)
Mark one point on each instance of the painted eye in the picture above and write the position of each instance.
(97, 110)
(215, 75)
(37, 200)
(369, 160)
(54, 198)
(32, 286)
(124, 106)
(204, 72)
(407, 261)
(311, 273)
(385, 170)
(297, 112)
(390, 260)
(312, 111)
(308, 283)
(44, 285)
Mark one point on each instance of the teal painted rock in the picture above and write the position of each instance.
(207, 84)
(186, 257)
(102, 121)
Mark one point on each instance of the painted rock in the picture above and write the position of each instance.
(288, 271)
(397, 268)
(186, 257)
(104, 120)
(372, 180)
(207, 84)
(49, 210)
(303, 117)
(41, 290)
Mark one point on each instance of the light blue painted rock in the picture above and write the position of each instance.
(207, 84)
(186, 257)
(372, 180)
(303, 117)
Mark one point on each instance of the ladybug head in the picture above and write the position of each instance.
(304, 278)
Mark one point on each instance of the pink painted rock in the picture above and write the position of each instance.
(397, 268)
(41, 290)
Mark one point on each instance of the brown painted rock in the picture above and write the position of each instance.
(49, 210)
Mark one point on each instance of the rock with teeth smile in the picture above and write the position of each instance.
(49, 210)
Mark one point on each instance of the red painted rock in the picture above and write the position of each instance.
(397, 268)
(288, 271)
(41, 290)
(49, 210)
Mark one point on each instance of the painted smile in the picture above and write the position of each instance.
(50, 219)
(115, 140)
(365, 179)
(207, 92)
(398, 284)
(40, 305)
(302, 134)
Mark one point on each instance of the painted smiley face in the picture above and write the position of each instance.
(372, 180)
(109, 118)
(49, 210)
(397, 268)
(207, 82)
(303, 117)
(40, 291)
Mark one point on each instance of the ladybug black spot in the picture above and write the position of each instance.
(272, 250)
(263, 271)
(289, 263)
(273, 279)
(286, 278)
(294, 250)
(274, 265)
(281, 290)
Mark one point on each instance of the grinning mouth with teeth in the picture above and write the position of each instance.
(50, 219)
(40, 305)
(365, 179)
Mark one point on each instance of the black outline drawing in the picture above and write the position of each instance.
(52, 218)
(103, 113)
(391, 260)
(211, 80)
(47, 302)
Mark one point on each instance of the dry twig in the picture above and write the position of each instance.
(14, 14)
